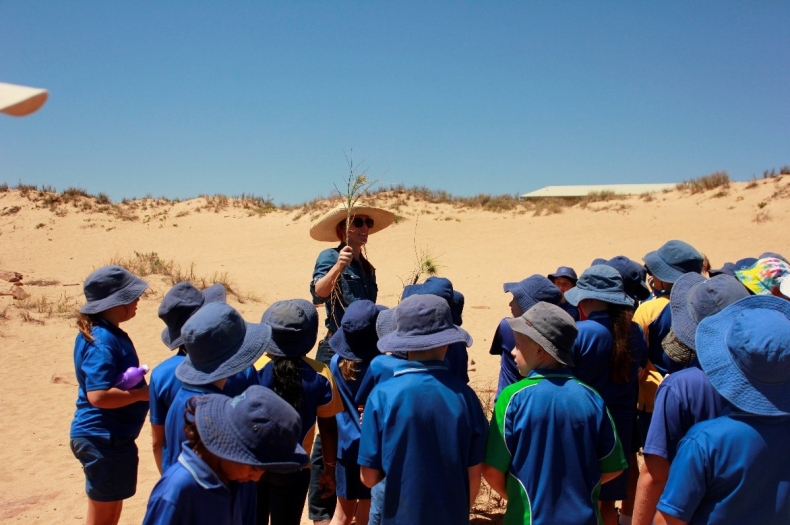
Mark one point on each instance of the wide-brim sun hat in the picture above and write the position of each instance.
(672, 260)
(423, 322)
(325, 228)
(294, 324)
(356, 337)
(111, 286)
(384, 322)
(179, 304)
(256, 428)
(549, 326)
(532, 290)
(693, 298)
(633, 275)
(744, 353)
(19, 101)
(764, 276)
(600, 282)
(219, 344)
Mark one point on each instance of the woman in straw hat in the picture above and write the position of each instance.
(341, 276)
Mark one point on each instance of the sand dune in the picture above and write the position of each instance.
(270, 256)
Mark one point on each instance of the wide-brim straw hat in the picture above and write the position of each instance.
(19, 101)
(325, 228)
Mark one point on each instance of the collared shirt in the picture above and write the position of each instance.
(381, 368)
(553, 437)
(732, 469)
(355, 284)
(423, 428)
(190, 493)
(98, 364)
(163, 387)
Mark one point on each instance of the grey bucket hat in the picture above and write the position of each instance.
(551, 327)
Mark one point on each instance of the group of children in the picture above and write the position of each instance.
(403, 439)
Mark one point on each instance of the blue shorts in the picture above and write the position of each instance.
(348, 484)
(110, 466)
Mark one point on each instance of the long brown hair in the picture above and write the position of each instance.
(84, 323)
(190, 428)
(621, 359)
(287, 380)
(348, 369)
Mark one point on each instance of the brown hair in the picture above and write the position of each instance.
(621, 359)
(190, 428)
(348, 369)
(84, 323)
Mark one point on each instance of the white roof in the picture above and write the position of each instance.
(19, 101)
(584, 190)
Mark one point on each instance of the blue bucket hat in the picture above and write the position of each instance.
(294, 324)
(729, 268)
(111, 286)
(356, 338)
(600, 282)
(179, 304)
(457, 308)
(672, 260)
(423, 322)
(564, 271)
(219, 344)
(256, 428)
(440, 287)
(744, 353)
(633, 274)
(532, 290)
(773, 255)
(384, 322)
(693, 298)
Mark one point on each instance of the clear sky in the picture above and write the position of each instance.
(179, 98)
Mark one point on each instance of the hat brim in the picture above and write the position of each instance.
(524, 300)
(217, 434)
(325, 228)
(384, 324)
(761, 398)
(576, 295)
(122, 297)
(255, 342)
(519, 325)
(660, 269)
(393, 342)
(169, 341)
(213, 294)
(784, 287)
(683, 323)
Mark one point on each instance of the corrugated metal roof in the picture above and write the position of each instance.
(584, 190)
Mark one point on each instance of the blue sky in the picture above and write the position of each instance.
(179, 98)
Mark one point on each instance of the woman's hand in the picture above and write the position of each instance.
(345, 257)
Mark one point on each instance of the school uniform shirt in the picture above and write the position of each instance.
(191, 493)
(423, 428)
(320, 395)
(570, 310)
(457, 358)
(732, 469)
(355, 284)
(163, 387)
(684, 399)
(348, 426)
(502, 344)
(553, 437)
(380, 369)
(98, 364)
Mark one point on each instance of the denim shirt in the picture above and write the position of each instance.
(355, 284)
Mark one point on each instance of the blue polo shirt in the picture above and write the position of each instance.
(732, 469)
(355, 284)
(503, 343)
(348, 427)
(553, 437)
(190, 493)
(423, 428)
(684, 399)
(457, 358)
(380, 369)
(97, 366)
(570, 310)
(163, 387)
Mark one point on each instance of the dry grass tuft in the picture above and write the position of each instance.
(708, 182)
(762, 216)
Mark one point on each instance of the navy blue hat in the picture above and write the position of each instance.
(356, 338)
(600, 282)
(179, 304)
(633, 274)
(294, 324)
(729, 268)
(457, 307)
(693, 298)
(564, 271)
(439, 286)
(384, 322)
(256, 428)
(111, 286)
(219, 344)
(598, 260)
(744, 353)
(773, 255)
(672, 260)
(423, 322)
(532, 290)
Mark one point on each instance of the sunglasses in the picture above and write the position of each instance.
(359, 221)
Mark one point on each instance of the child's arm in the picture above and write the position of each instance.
(117, 398)
(327, 426)
(496, 479)
(370, 476)
(474, 482)
(157, 443)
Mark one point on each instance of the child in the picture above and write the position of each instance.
(230, 440)
(309, 387)
(564, 279)
(177, 306)
(423, 429)
(551, 442)
(355, 346)
(107, 420)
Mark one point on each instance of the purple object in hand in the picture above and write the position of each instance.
(131, 378)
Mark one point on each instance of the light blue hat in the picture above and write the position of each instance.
(600, 282)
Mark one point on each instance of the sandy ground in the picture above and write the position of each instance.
(271, 257)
